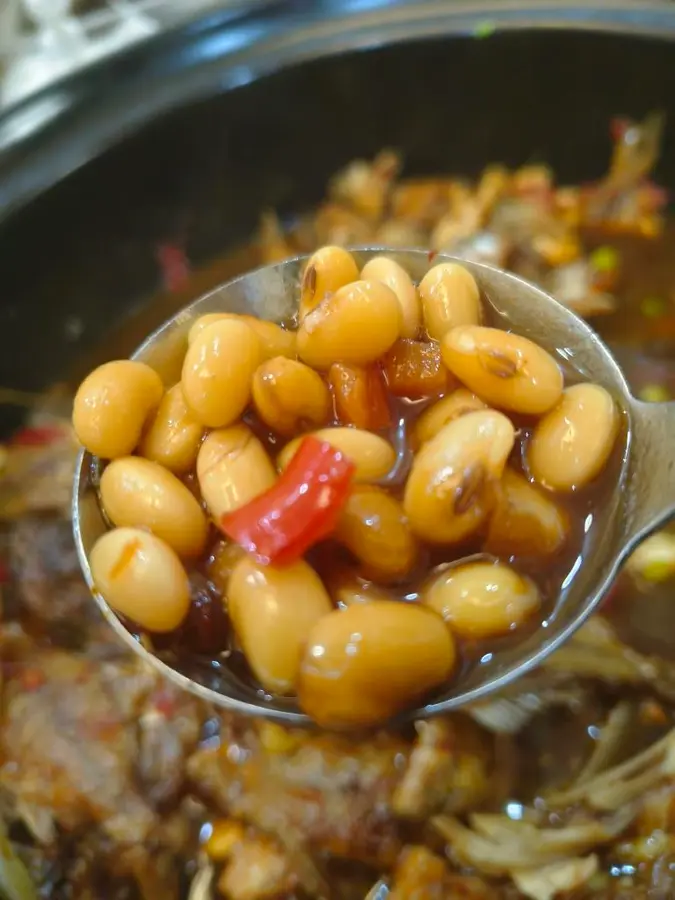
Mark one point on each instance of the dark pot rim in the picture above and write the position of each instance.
(49, 135)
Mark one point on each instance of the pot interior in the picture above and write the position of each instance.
(84, 256)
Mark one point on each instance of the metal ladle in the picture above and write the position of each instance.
(643, 500)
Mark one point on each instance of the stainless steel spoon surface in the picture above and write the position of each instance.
(643, 500)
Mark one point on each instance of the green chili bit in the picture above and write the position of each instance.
(654, 393)
(15, 882)
(653, 307)
(484, 29)
(605, 259)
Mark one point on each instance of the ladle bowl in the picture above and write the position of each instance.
(643, 499)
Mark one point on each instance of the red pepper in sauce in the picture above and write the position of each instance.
(37, 437)
(174, 267)
(300, 510)
(360, 396)
(618, 127)
(32, 679)
(415, 369)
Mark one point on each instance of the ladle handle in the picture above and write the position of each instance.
(651, 479)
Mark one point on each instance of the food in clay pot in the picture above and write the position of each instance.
(113, 784)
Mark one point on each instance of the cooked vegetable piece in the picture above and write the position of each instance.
(415, 369)
(360, 396)
(300, 510)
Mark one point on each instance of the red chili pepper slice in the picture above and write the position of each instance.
(300, 510)
(360, 396)
(618, 128)
(32, 679)
(37, 437)
(174, 266)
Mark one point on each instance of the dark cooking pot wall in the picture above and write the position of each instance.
(82, 255)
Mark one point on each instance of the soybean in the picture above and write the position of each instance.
(483, 599)
(505, 370)
(453, 483)
(571, 445)
(141, 577)
(232, 468)
(174, 435)
(372, 456)
(450, 297)
(112, 406)
(289, 396)
(357, 324)
(139, 493)
(364, 664)
(526, 521)
(274, 340)
(346, 587)
(458, 403)
(373, 527)
(217, 372)
(395, 277)
(273, 611)
(221, 564)
(327, 270)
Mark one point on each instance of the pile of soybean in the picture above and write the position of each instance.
(470, 464)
